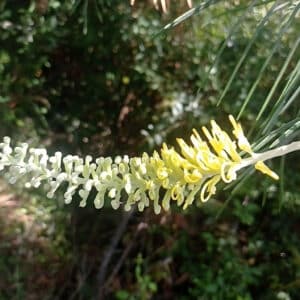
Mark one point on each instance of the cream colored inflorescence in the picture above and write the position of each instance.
(158, 179)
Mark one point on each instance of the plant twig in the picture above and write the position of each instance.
(280, 151)
(125, 253)
(109, 253)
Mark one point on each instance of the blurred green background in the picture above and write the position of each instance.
(104, 78)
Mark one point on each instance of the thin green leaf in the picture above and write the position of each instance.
(275, 46)
(85, 16)
(279, 77)
(284, 100)
(242, 7)
(98, 11)
(232, 30)
(247, 49)
(75, 4)
(190, 13)
(287, 136)
(273, 138)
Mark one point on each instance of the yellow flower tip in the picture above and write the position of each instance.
(182, 144)
(174, 192)
(244, 145)
(164, 147)
(228, 173)
(235, 124)
(203, 191)
(186, 205)
(237, 128)
(196, 143)
(180, 199)
(162, 173)
(215, 127)
(186, 151)
(155, 155)
(262, 167)
(207, 133)
(193, 177)
(166, 200)
(149, 184)
(210, 187)
(239, 134)
(232, 119)
(165, 183)
(196, 134)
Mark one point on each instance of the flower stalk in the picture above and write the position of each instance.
(280, 151)
(155, 179)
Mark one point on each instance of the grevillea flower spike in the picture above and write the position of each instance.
(169, 175)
